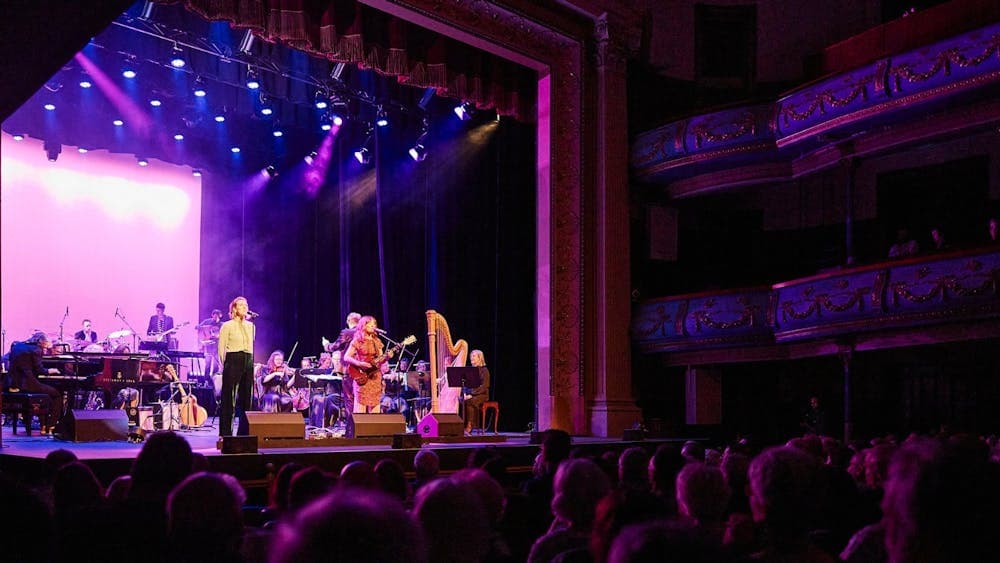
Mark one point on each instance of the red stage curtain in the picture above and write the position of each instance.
(348, 32)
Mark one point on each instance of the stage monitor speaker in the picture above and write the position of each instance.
(378, 424)
(239, 444)
(93, 426)
(438, 424)
(407, 441)
(276, 425)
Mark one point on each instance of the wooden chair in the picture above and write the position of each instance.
(25, 405)
(483, 409)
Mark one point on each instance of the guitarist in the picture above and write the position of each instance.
(160, 323)
(364, 348)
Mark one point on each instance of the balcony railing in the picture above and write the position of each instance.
(957, 287)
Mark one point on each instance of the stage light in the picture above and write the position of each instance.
(277, 133)
(196, 173)
(18, 137)
(52, 150)
(220, 118)
(252, 82)
(85, 84)
(363, 156)
(128, 72)
(178, 137)
(235, 150)
(246, 43)
(81, 150)
(321, 100)
(200, 92)
(142, 162)
(266, 110)
(381, 118)
(311, 157)
(177, 58)
(418, 153)
(464, 111)
(118, 123)
(49, 107)
(155, 103)
(338, 121)
(326, 126)
(269, 172)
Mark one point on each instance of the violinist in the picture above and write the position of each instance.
(276, 382)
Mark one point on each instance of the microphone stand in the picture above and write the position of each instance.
(135, 335)
(63, 321)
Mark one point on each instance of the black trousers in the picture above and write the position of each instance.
(31, 385)
(237, 388)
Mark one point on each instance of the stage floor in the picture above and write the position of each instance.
(23, 456)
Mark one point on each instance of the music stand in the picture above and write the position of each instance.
(464, 376)
(417, 380)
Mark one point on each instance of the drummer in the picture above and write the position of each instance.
(86, 335)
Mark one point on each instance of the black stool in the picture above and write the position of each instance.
(26, 405)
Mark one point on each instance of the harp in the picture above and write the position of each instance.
(443, 353)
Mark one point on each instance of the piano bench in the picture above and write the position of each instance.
(484, 410)
(26, 405)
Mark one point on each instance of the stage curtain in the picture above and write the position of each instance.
(346, 31)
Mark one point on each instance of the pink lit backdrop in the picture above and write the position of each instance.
(95, 232)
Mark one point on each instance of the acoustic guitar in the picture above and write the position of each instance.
(362, 376)
(191, 413)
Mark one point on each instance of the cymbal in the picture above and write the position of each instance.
(120, 333)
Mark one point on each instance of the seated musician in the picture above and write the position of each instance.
(474, 398)
(362, 355)
(276, 380)
(25, 366)
(85, 334)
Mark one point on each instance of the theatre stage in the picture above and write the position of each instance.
(23, 456)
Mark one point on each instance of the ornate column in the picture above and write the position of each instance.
(610, 405)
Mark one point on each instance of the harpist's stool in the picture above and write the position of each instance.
(486, 406)
(25, 405)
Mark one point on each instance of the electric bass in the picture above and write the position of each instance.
(364, 375)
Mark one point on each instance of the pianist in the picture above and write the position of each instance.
(25, 366)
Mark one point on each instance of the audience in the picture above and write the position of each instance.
(939, 498)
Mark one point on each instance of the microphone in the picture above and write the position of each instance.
(251, 314)
(116, 312)
(380, 331)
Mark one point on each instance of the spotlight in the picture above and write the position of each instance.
(321, 100)
(155, 103)
(269, 172)
(85, 84)
(178, 137)
(199, 90)
(277, 133)
(234, 150)
(246, 43)
(363, 156)
(266, 110)
(252, 82)
(381, 118)
(18, 137)
(464, 111)
(418, 153)
(49, 107)
(326, 126)
(118, 123)
(81, 150)
(311, 157)
(128, 72)
(52, 150)
(338, 121)
(220, 118)
(177, 58)
(196, 173)
(143, 162)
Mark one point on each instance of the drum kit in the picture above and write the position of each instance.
(115, 343)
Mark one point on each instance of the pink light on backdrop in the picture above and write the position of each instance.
(95, 232)
(315, 172)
